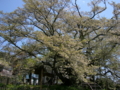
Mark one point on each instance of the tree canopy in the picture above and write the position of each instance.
(75, 44)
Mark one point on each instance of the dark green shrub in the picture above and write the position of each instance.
(2, 85)
(60, 87)
(37, 87)
(23, 87)
(71, 88)
(18, 87)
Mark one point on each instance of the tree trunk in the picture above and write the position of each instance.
(30, 77)
(41, 76)
(8, 80)
(66, 81)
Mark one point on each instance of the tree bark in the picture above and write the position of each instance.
(41, 76)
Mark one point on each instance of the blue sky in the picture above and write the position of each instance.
(11, 5)
(107, 13)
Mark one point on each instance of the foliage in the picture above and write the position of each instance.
(2, 85)
(22, 87)
(4, 63)
(106, 83)
(59, 87)
(53, 87)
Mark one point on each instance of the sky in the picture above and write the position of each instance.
(11, 5)
(107, 13)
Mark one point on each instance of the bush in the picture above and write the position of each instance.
(11, 87)
(60, 87)
(2, 85)
(18, 87)
(23, 87)
(53, 87)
